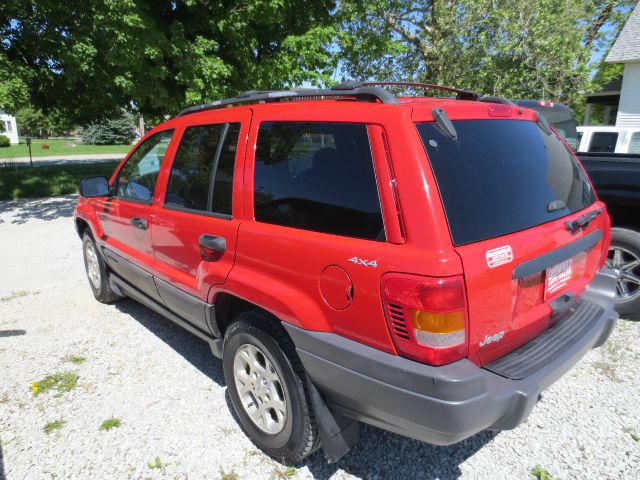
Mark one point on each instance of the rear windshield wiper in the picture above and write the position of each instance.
(582, 221)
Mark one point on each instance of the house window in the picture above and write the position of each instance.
(8, 125)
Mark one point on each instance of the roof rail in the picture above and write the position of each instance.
(460, 94)
(366, 93)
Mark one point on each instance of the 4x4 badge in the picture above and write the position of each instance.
(366, 263)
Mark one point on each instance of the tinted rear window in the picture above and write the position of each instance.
(603, 142)
(501, 176)
(317, 176)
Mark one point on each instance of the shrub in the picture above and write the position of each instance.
(117, 131)
(4, 141)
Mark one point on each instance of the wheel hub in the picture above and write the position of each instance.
(260, 389)
(92, 265)
(627, 267)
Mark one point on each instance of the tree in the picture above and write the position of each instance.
(115, 131)
(513, 48)
(91, 59)
(32, 122)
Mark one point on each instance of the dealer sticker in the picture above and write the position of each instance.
(499, 256)
(558, 277)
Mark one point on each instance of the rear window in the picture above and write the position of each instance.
(503, 176)
(603, 142)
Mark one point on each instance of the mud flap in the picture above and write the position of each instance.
(337, 432)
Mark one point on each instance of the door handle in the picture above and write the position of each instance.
(140, 223)
(211, 247)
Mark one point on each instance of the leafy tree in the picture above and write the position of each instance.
(115, 131)
(513, 48)
(32, 122)
(91, 59)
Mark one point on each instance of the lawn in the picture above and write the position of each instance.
(21, 182)
(59, 147)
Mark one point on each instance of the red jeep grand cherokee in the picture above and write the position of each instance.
(425, 265)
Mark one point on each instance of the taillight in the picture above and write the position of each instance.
(427, 316)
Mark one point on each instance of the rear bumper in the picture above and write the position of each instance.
(440, 405)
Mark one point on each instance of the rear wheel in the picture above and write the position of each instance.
(97, 271)
(624, 258)
(267, 386)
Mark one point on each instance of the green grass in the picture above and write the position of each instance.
(51, 426)
(61, 382)
(110, 423)
(283, 473)
(13, 296)
(23, 182)
(75, 359)
(541, 474)
(231, 475)
(155, 464)
(59, 147)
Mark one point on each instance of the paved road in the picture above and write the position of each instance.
(63, 159)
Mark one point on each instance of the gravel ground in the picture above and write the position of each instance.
(169, 394)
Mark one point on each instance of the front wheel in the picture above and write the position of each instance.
(266, 382)
(97, 271)
(624, 258)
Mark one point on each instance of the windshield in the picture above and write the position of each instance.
(503, 176)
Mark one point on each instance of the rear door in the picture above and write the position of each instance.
(511, 192)
(127, 215)
(195, 229)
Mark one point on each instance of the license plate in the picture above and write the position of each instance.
(557, 277)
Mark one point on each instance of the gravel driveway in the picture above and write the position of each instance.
(168, 392)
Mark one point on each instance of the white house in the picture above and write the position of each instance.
(10, 126)
(626, 49)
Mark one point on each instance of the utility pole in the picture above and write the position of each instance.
(28, 142)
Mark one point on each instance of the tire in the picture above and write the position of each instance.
(96, 271)
(284, 426)
(624, 258)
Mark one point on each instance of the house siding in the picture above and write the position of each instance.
(11, 128)
(629, 108)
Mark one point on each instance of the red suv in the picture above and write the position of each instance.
(425, 265)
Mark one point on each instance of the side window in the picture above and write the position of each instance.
(317, 176)
(634, 143)
(603, 142)
(137, 178)
(191, 171)
(200, 156)
(223, 182)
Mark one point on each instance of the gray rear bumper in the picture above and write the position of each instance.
(440, 405)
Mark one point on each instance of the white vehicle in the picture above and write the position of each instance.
(602, 139)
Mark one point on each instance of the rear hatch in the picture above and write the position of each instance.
(525, 221)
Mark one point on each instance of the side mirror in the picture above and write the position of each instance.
(94, 187)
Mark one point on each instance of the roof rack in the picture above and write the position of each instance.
(460, 94)
(366, 93)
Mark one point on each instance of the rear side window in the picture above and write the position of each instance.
(634, 143)
(223, 183)
(503, 176)
(317, 176)
(205, 152)
(603, 142)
